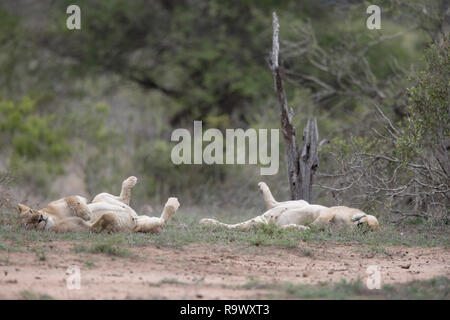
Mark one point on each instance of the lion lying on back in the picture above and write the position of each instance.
(299, 214)
(105, 212)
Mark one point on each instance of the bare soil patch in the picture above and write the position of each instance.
(206, 271)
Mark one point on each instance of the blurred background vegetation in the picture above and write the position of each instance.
(81, 110)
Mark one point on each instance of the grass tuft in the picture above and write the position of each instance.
(185, 229)
(111, 246)
(31, 295)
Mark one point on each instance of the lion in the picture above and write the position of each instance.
(299, 215)
(105, 212)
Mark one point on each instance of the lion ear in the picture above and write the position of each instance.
(23, 208)
(358, 216)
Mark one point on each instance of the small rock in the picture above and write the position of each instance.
(405, 266)
(37, 278)
(305, 275)
(330, 272)
(198, 296)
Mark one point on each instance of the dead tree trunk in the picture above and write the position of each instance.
(309, 159)
(301, 165)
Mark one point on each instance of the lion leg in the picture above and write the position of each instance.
(295, 226)
(249, 224)
(154, 224)
(269, 200)
(213, 222)
(243, 226)
(169, 210)
(107, 221)
(78, 208)
(323, 220)
(125, 193)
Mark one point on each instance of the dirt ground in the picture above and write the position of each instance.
(206, 271)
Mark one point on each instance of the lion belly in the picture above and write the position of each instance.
(59, 208)
(123, 214)
(303, 215)
(292, 203)
(99, 208)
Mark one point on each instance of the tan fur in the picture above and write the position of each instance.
(108, 222)
(78, 208)
(105, 212)
(28, 218)
(300, 214)
(271, 202)
(154, 224)
(72, 224)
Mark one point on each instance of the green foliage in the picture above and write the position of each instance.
(96, 145)
(402, 167)
(203, 63)
(35, 143)
(153, 158)
(435, 288)
(106, 98)
(33, 136)
(427, 124)
(272, 235)
(9, 30)
(7, 23)
(31, 295)
(110, 246)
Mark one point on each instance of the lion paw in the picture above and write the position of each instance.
(262, 186)
(173, 202)
(130, 182)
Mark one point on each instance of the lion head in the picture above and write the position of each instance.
(32, 219)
